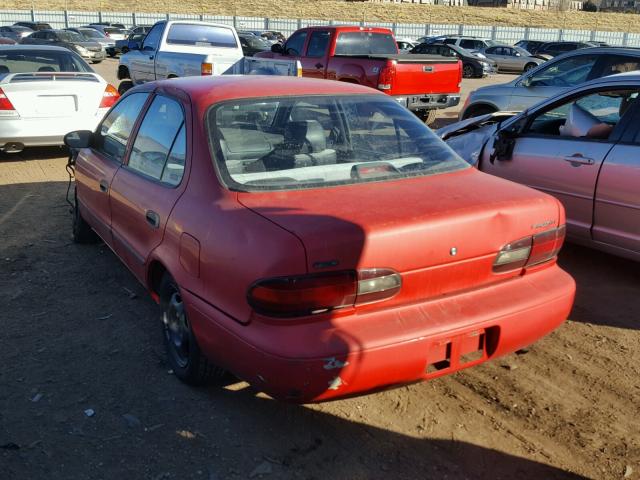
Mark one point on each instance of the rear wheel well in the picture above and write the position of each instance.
(154, 278)
(172, 76)
(123, 72)
(349, 80)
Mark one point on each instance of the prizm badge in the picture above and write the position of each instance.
(541, 225)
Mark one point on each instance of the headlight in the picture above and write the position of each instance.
(81, 50)
(480, 55)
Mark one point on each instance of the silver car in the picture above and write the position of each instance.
(551, 78)
(512, 59)
(93, 35)
(582, 146)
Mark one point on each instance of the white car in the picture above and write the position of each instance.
(45, 93)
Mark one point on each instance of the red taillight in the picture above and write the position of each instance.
(303, 295)
(387, 76)
(530, 251)
(5, 103)
(109, 97)
(546, 245)
(106, 34)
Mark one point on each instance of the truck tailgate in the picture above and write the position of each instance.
(419, 74)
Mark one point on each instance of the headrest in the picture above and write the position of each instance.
(4, 69)
(306, 132)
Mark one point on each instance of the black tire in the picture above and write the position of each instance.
(112, 53)
(124, 86)
(125, 50)
(468, 71)
(183, 353)
(530, 66)
(82, 232)
(96, 61)
(427, 116)
(477, 111)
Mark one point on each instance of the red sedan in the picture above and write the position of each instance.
(314, 238)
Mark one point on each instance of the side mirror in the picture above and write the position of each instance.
(78, 139)
(504, 143)
(133, 45)
(526, 82)
(277, 48)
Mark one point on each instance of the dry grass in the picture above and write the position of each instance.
(339, 10)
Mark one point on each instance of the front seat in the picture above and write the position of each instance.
(306, 139)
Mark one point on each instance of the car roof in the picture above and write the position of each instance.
(208, 90)
(20, 46)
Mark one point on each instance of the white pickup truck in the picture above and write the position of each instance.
(173, 49)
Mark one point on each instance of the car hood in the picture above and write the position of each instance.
(468, 137)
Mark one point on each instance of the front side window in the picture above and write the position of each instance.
(201, 36)
(318, 44)
(593, 116)
(564, 73)
(152, 40)
(156, 138)
(365, 43)
(113, 134)
(302, 142)
(295, 44)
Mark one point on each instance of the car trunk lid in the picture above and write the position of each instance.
(442, 232)
(53, 94)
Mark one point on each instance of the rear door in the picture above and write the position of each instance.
(143, 61)
(616, 219)
(316, 57)
(565, 162)
(96, 166)
(147, 187)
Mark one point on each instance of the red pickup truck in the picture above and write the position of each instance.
(369, 56)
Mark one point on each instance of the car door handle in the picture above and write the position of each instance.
(104, 186)
(319, 65)
(579, 159)
(153, 218)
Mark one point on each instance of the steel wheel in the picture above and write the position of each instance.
(467, 71)
(176, 329)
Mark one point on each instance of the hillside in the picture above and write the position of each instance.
(339, 10)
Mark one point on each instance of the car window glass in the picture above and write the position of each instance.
(492, 50)
(322, 141)
(152, 40)
(365, 43)
(591, 116)
(318, 44)
(614, 64)
(155, 137)
(200, 35)
(295, 44)
(113, 134)
(564, 73)
(450, 41)
(174, 168)
(470, 44)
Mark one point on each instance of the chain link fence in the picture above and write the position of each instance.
(64, 19)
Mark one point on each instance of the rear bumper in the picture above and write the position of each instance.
(42, 132)
(317, 361)
(428, 101)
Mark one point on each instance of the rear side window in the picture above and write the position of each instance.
(365, 43)
(113, 134)
(471, 44)
(450, 41)
(156, 140)
(613, 64)
(318, 44)
(201, 35)
(152, 40)
(321, 141)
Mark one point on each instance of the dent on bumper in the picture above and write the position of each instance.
(344, 356)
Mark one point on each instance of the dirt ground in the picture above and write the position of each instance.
(78, 333)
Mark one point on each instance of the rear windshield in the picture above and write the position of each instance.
(201, 35)
(115, 30)
(365, 43)
(91, 33)
(23, 61)
(319, 141)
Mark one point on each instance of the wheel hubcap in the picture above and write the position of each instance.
(176, 329)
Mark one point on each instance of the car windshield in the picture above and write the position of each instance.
(70, 37)
(365, 43)
(91, 33)
(321, 141)
(201, 35)
(27, 61)
(521, 51)
(492, 43)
